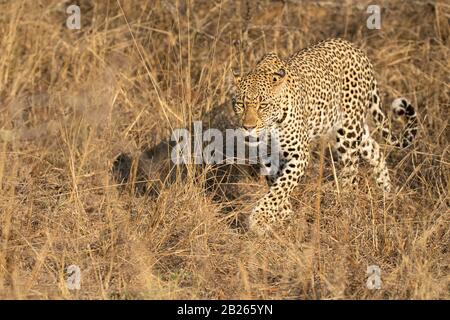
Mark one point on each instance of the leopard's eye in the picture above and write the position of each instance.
(238, 106)
(264, 106)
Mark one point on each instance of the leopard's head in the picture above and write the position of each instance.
(258, 95)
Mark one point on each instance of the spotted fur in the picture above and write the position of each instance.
(328, 87)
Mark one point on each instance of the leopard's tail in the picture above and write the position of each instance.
(401, 108)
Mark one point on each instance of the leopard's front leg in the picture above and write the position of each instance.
(275, 208)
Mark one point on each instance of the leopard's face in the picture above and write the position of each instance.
(257, 100)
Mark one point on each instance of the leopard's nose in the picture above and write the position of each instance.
(249, 127)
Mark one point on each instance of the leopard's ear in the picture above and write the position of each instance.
(278, 76)
(237, 77)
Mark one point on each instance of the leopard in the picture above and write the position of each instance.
(326, 88)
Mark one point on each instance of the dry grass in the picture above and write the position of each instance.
(71, 101)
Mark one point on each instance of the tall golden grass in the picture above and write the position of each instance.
(72, 100)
